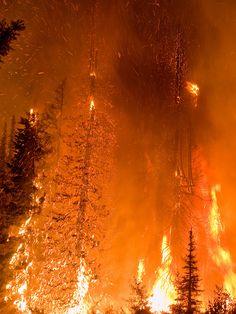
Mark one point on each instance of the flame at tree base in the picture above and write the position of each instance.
(80, 304)
(163, 292)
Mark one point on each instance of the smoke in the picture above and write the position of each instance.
(136, 43)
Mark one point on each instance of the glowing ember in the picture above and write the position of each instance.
(192, 88)
(220, 256)
(141, 270)
(163, 292)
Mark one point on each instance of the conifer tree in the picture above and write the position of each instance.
(8, 33)
(138, 303)
(28, 150)
(3, 146)
(188, 290)
(11, 139)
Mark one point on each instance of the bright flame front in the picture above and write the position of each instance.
(221, 256)
(80, 304)
(163, 292)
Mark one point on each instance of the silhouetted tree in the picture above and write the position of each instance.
(29, 149)
(138, 303)
(3, 146)
(188, 290)
(11, 139)
(8, 33)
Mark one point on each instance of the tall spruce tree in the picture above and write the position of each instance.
(188, 289)
(28, 150)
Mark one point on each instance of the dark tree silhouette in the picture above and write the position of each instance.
(138, 303)
(3, 148)
(11, 139)
(188, 290)
(8, 33)
(29, 149)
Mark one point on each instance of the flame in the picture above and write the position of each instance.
(92, 74)
(91, 104)
(80, 305)
(192, 88)
(16, 289)
(163, 292)
(31, 111)
(221, 256)
(141, 270)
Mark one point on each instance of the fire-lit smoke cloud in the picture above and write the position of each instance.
(136, 49)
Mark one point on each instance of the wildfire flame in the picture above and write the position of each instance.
(163, 292)
(31, 111)
(141, 270)
(16, 289)
(221, 256)
(81, 305)
(192, 88)
(91, 104)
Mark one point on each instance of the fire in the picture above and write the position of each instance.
(141, 270)
(31, 111)
(192, 88)
(16, 289)
(214, 217)
(221, 256)
(163, 292)
(80, 304)
(92, 104)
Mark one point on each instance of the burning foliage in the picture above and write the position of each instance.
(78, 210)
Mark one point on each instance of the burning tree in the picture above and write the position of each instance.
(188, 290)
(222, 302)
(21, 206)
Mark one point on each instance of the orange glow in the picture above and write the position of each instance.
(221, 256)
(31, 111)
(163, 292)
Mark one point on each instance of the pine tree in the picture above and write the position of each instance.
(28, 150)
(188, 289)
(8, 33)
(138, 303)
(11, 139)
